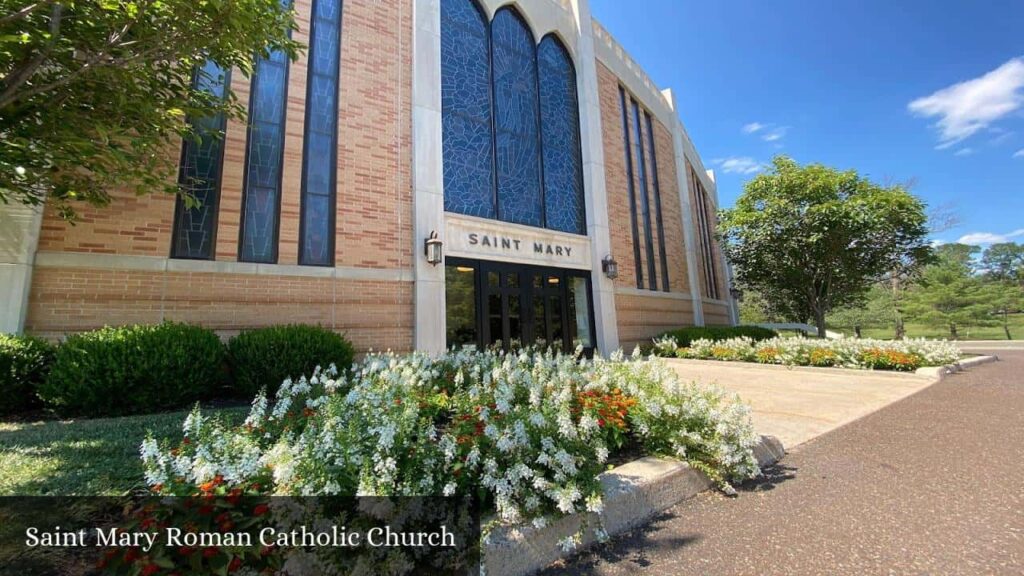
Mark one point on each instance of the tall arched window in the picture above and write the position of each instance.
(560, 128)
(467, 110)
(320, 151)
(517, 115)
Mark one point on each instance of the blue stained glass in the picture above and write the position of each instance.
(261, 198)
(195, 226)
(645, 207)
(560, 128)
(321, 130)
(467, 135)
(517, 142)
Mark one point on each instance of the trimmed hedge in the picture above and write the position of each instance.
(265, 357)
(684, 336)
(24, 363)
(133, 370)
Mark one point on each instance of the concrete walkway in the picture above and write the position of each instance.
(798, 404)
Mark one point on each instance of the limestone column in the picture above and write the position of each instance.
(19, 237)
(689, 236)
(594, 178)
(428, 178)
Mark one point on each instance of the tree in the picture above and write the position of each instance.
(96, 94)
(812, 238)
(950, 293)
(877, 310)
(1004, 262)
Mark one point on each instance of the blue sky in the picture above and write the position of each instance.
(899, 91)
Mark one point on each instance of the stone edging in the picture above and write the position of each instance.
(943, 372)
(633, 493)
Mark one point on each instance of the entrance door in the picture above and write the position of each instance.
(513, 305)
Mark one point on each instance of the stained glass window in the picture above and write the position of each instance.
(560, 128)
(631, 189)
(320, 150)
(261, 199)
(516, 109)
(659, 220)
(467, 110)
(645, 206)
(195, 223)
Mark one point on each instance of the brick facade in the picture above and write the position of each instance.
(112, 267)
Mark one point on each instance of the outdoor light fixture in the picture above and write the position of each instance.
(432, 248)
(610, 267)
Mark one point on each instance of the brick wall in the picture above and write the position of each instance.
(374, 214)
(373, 314)
(644, 317)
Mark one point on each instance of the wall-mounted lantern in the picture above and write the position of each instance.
(433, 249)
(610, 267)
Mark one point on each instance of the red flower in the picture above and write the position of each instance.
(235, 564)
(131, 555)
(186, 550)
(211, 552)
(260, 510)
(150, 569)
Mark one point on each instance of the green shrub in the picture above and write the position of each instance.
(24, 362)
(265, 357)
(134, 369)
(685, 336)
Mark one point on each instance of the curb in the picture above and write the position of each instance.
(942, 372)
(633, 493)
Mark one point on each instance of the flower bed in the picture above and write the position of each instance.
(527, 431)
(905, 355)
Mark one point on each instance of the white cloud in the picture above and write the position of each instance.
(964, 152)
(739, 165)
(967, 107)
(1019, 153)
(769, 132)
(775, 134)
(978, 238)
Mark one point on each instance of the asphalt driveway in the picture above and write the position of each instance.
(933, 484)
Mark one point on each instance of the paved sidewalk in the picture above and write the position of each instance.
(928, 485)
(797, 404)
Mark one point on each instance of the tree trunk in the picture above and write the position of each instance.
(856, 331)
(901, 330)
(952, 331)
(819, 322)
(1007, 330)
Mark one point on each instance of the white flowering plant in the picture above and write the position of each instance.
(527, 431)
(868, 354)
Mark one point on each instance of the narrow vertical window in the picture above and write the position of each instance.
(517, 118)
(632, 191)
(467, 115)
(645, 206)
(657, 202)
(320, 149)
(560, 129)
(261, 199)
(195, 225)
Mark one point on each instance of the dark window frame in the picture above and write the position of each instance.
(275, 245)
(333, 184)
(657, 202)
(645, 201)
(631, 190)
(179, 203)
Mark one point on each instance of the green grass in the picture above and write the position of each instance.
(917, 330)
(82, 457)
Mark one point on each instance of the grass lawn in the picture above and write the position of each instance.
(82, 457)
(914, 330)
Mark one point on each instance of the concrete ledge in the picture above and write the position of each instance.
(633, 493)
(942, 372)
